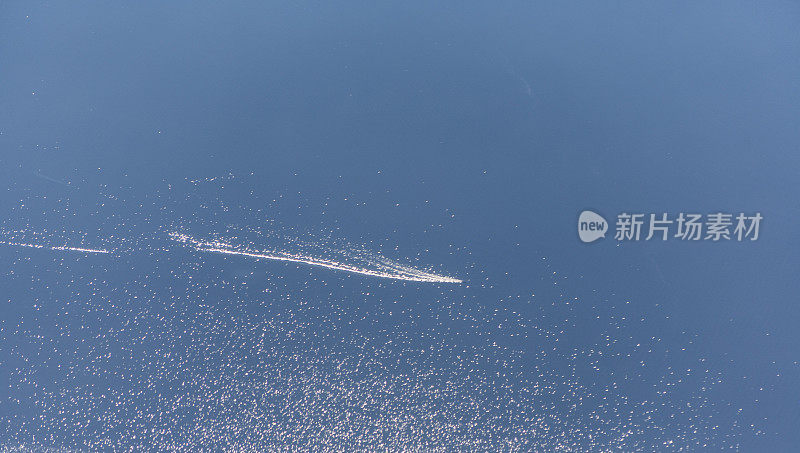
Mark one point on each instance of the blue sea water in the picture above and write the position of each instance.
(459, 138)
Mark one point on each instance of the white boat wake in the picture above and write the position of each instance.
(375, 266)
(51, 247)
(356, 262)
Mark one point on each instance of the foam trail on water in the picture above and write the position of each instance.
(379, 266)
(362, 263)
(48, 247)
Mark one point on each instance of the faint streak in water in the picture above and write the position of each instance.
(51, 179)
